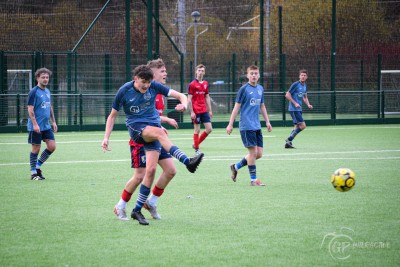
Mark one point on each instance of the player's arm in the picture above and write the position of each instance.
(170, 121)
(31, 113)
(305, 99)
(181, 97)
(190, 106)
(53, 119)
(109, 127)
(289, 97)
(235, 111)
(208, 104)
(264, 113)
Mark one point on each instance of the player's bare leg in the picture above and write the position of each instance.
(166, 176)
(130, 188)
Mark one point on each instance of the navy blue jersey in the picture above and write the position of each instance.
(250, 98)
(297, 91)
(40, 100)
(138, 107)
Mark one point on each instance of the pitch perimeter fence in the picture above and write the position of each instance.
(82, 112)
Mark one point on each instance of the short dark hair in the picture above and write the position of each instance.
(143, 72)
(42, 70)
(253, 67)
(303, 71)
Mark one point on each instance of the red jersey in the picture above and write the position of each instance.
(198, 90)
(160, 104)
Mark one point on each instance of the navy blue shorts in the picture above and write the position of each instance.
(135, 132)
(35, 138)
(251, 138)
(297, 117)
(138, 156)
(202, 118)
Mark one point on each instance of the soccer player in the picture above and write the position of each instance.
(200, 107)
(40, 111)
(138, 157)
(250, 101)
(137, 99)
(296, 94)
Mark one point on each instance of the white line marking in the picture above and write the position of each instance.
(125, 140)
(269, 157)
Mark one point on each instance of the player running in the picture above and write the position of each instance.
(296, 94)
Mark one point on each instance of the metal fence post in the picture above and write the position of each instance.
(3, 89)
(379, 83)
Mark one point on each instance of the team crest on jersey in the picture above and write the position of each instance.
(259, 92)
(205, 86)
(147, 95)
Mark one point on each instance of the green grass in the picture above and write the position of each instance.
(67, 220)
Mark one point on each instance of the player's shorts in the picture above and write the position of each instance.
(202, 118)
(135, 132)
(252, 138)
(138, 155)
(35, 138)
(297, 117)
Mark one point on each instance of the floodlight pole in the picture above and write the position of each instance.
(196, 18)
(195, 43)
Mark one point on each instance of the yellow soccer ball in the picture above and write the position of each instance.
(343, 179)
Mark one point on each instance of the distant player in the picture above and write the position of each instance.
(40, 111)
(296, 94)
(138, 157)
(137, 99)
(200, 107)
(250, 102)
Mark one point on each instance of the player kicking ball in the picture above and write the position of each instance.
(137, 99)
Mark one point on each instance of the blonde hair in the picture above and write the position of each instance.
(156, 63)
(201, 66)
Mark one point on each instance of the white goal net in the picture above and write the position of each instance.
(19, 81)
(390, 84)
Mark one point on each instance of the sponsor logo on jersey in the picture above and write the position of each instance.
(134, 109)
(255, 102)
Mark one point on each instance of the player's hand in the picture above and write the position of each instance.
(173, 123)
(269, 127)
(180, 107)
(104, 145)
(297, 105)
(36, 128)
(229, 129)
(310, 106)
(55, 127)
(210, 113)
(192, 115)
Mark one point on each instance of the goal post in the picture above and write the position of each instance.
(19, 81)
(390, 85)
